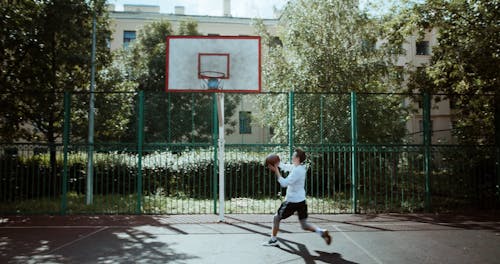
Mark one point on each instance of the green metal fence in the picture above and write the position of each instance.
(158, 155)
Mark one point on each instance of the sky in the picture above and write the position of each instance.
(239, 8)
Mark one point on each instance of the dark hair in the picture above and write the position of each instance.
(300, 154)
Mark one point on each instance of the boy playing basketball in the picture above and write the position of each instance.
(295, 200)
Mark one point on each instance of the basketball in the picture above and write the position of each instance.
(272, 159)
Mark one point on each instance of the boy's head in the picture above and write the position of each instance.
(300, 154)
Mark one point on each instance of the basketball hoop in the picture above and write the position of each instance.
(211, 80)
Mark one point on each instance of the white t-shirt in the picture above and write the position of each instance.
(294, 182)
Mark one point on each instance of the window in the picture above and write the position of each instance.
(423, 48)
(245, 122)
(275, 42)
(128, 37)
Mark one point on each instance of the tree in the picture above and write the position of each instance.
(326, 46)
(113, 107)
(174, 117)
(45, 50)
(464, 64)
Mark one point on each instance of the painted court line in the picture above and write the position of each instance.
(358, 245)
(76, 240)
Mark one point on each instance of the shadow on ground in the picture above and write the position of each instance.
(295, 248)
(468, 221)
(93, 240)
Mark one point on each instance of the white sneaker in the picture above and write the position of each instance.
(271, 243)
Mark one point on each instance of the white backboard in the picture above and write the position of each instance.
(238, 58)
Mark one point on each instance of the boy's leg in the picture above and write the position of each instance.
(282, 213)
(273, 241)
(302, 212)
(307, 226)
(276, 225)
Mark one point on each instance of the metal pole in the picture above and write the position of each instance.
(169, 119)
(214, 143)
(140, 139)
(426, 111)
(220, 102)
(90, 153)
(321, 134)
(192, 118)
(497, 142)
(290, 123)
(354, 141)
(67, 109)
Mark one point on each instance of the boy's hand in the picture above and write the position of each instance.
(273, 168)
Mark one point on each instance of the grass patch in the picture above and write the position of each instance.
(162, 204)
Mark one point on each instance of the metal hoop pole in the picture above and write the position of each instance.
(220, 109)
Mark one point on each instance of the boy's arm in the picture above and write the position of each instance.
(291, 178)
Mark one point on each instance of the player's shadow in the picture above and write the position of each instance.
(298, 249)
(304, 253)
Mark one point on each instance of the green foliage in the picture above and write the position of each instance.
(44, 50)
(464, 63)
(325, 46)
(181, 180)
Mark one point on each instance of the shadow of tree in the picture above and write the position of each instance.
(90, 244)
(468, 221)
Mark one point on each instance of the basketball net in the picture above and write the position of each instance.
(212, 80)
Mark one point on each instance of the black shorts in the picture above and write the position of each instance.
(287, 209)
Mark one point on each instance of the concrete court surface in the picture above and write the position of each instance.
(381, 238)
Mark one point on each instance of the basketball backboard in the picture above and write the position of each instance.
(213, 64)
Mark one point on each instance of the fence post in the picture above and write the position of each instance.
(290, 123)
(215, 133)
(192, 118)
(354, 141)
(140, 140)
(169, 118)
(497, 143)
(426, 111)
(64, 184)
(321, 109)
